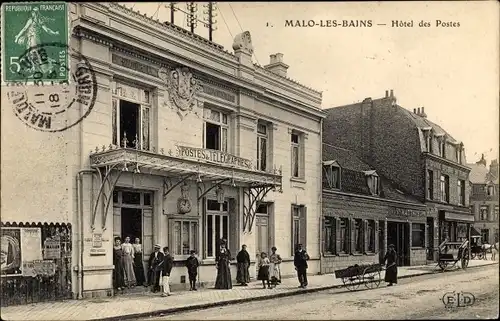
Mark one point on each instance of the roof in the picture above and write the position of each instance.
(354, 172)
(478, 173)
(424, 123)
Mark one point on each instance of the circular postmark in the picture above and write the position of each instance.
(53, 105)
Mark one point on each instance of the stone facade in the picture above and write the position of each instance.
(140, 61)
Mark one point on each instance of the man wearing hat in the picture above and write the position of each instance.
(156, 261)
(391, 271)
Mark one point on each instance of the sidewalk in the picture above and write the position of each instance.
(129, 306)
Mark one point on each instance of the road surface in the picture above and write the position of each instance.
(413, 298)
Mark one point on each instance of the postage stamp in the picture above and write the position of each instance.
(26, 26)
(54, 106)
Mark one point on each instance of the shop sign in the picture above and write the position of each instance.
(219, 93)
(97, 240)
(134, 65)
(215, 156)
(97, 251)
(405, 213)
(51, 249)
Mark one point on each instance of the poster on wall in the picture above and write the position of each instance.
(11, 255)
(31, 248)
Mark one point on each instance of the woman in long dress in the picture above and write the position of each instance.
(274, 268)
(138, 263)
(391, 272)
(222, 258)
(118, 277)
(128, 262)
(243, 262)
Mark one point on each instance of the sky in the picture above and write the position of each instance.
(452, 71)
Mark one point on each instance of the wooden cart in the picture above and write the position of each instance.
(452, 252)
(354, 276)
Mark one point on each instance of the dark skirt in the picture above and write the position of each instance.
(223, 280)
(139, 269)
(263, 273)
(391, 274)
(243, 276)
(118, 272)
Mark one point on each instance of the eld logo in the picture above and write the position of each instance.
(458, 299)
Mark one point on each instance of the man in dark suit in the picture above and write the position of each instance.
(156, 262)
(166, 269)
(300, 261)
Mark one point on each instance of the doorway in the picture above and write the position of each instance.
(430, 239)
(399, 235)
(381, 239)
(131, 223)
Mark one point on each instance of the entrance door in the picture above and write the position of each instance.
(262, 227)
(131, 223)
(381, 239)
(398, 235)
(430, 239)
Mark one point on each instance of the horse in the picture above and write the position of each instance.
(486, 248)
(494, 251)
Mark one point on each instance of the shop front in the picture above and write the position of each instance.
(454, 226)
(187, 200)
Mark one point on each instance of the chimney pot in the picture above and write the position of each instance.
(386, 93)
(392, 93)
(422, 110)
(418, 111)
(414, 110)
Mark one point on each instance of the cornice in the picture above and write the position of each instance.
(372, 198)
(445, 161)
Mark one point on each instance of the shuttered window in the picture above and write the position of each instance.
(299, 226)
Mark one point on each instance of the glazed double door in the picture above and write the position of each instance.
(398, 234)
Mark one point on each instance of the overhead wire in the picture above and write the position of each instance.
(157, 10)
(223, 19)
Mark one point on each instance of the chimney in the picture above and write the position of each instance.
(482, 161)
(276, 65)
(494, 168)
(418, 111)
(423, 114)
(414, 110)
(386, 93)
(392, 93)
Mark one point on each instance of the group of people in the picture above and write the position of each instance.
(127, 259)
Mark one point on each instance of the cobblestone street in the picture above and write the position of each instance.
(415, 298)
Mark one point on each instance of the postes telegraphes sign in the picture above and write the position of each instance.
(215, 156)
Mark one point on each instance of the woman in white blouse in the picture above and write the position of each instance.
(128, 262)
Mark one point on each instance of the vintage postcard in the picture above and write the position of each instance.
(249, 160)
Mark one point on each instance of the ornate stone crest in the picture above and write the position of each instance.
(243, 41)
(182, 89)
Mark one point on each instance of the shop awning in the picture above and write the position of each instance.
(474, 232)
(460, 217)
(208, 168)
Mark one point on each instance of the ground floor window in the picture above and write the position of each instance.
(299, 226)
(358, 236)
(344, 235)
(184, 236)
(329, 235)
(371, 236)
(216, 225)
(418, 235)
(485, 236)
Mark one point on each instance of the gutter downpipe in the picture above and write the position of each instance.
(320, 201)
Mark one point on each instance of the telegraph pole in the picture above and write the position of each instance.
(210, 19)
(172, 11)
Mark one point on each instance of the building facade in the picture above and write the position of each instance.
(484, 199)
(186, 144)
(364, 212)
(417, 154)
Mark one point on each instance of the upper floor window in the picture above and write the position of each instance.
(459, 154)
(495, 213)
(461, 192)
(296, 140)
(490, 190)
(430, 184)
(373, 182)
(483, 213)
(445, 188)
(262, 146)
(131, 110)
(216, 129)
(442, 147)
(428, 140)
(331, 175)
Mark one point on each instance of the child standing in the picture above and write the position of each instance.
(192, 267)
(264, 270)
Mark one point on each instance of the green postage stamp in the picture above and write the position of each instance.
(34, 43)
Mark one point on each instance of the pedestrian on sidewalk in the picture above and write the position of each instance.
(138, 263)
(263, 274)
(494, 251)
(118, 271)
(222, 259)
(155, 267)
(192, 267)
(300, 261)
(274, 268)
(167, 268)
(243, 264)
(391, 270)
(128, 262)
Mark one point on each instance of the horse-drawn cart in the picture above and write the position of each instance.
(354, 276)
(452, 252)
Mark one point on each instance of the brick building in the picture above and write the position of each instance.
(484, 198)
(363, 212)
(186, 144)
(418, 155)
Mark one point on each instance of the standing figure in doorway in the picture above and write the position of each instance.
(118, 271)
(128, 262)
(391, 270)
(274, 268)
(138, 263)
(300, 261)
(192, 267)
(243, 263)
(155, 266)
(222, 258)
